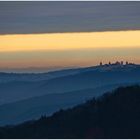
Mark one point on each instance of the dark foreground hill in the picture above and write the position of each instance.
(114, 115)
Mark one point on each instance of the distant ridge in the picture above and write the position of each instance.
(62, 89)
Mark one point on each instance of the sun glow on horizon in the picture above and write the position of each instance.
(68, 41)
(68, 49)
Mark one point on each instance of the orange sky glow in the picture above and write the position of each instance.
(68, 49)
(66, 41)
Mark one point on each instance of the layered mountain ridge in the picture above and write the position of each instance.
(64, 89)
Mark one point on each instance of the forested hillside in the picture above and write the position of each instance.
(114, 115)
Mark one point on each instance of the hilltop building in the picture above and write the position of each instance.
(101, 63)
(121, 63)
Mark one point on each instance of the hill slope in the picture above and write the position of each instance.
(34, 107)
(114, 115)
(25, 100)
(65, 81)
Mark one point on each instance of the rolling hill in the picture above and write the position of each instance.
(65, 81)
(24, 100)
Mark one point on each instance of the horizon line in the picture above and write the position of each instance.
(63, 68)
(65, 32)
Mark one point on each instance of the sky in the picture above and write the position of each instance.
(41, 36)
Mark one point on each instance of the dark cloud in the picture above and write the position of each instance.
(44, 17)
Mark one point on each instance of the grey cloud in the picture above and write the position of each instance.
(48, 17)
